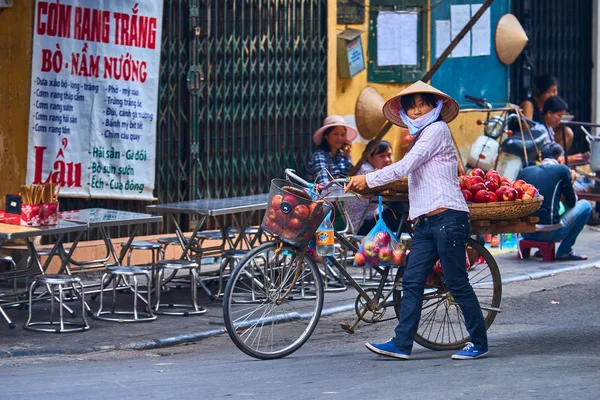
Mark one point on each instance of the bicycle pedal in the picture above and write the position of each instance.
(346, 327)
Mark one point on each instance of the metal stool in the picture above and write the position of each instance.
(229, 258)
(166, 242)
(249, 234)
(117, 274)
(184, 309)
(154, 247)
(51, 281)
(12, 269)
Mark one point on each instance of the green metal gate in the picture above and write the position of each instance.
(255, 88)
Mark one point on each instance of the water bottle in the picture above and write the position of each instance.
(324, 237)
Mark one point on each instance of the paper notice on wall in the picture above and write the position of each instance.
(92, 123)
(442, 36)
(481, 32)
(459, 17)
(397, 38)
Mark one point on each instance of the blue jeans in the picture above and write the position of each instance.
(572, 222)
(442, 236)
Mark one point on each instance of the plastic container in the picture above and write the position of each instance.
(484, 153)
(292, 214)
(324, 238)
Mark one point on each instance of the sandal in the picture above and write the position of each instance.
(572, 257)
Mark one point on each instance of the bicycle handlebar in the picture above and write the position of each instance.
(290, 173)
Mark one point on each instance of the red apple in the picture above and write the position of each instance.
(382, 238)
(465, 182)
(518, 182)
(467, 195)
(370, 249)
(360, 259)
(281, 217)
(477, 172)
(499, 192)
(493, 175)
(492, 198)
(290, 199)
(301, 211)
(477, 187)
(276, 201)
(509, 194)
(491, 185)
(312, 206)
(397, 257)
(273, 226)
(532, 191)
(476, 179)
(505, 181)
(520, 192)
(289, 234)
(385, 254)
(271, 213)
(526, 196)
(295, 223)
(481, 196)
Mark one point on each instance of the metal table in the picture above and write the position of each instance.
(212, 208)
(102, 219)
(59, 231)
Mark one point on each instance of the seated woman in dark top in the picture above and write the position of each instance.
(546, 86)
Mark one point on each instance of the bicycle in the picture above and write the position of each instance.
(274, 297)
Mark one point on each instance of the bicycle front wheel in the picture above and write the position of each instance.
(441, 326)
(272, 303)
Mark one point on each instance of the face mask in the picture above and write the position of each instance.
(415, 125)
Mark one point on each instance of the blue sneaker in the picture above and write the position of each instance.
(470, 352)
(387, 349)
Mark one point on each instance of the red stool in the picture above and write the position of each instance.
(546, 248)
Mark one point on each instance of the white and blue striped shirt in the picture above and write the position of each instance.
(431, 166)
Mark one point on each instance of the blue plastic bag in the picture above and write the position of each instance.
(380, 247)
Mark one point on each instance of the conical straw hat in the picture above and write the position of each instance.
(510, 39)
(369, 117)
(392, 107)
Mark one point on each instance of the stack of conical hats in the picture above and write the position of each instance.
(510, 39)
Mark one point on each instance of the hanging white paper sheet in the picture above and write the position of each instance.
(481, 32)
(442, 36)
(397, 38)
(459, 17)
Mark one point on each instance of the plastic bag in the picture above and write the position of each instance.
(380, 247)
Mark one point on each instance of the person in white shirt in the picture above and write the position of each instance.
(439, 210)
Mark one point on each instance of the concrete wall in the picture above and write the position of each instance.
(16, 33)
(343, 93)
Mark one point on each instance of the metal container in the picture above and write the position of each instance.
(594, 142)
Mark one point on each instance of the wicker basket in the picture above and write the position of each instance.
(399, 186)
(505, 210)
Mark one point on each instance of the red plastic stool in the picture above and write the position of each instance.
(546, 248)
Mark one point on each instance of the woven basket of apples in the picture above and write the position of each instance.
(292, 214)
(494, 197)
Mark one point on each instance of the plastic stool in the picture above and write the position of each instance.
(51, 282)
(546, 248)
(179, 309)
(117, 274)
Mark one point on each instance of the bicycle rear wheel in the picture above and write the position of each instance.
(270, 307)
(442, 324)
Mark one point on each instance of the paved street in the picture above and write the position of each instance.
(544, 344)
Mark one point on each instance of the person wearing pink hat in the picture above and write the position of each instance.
(334, 141)
(440, 214)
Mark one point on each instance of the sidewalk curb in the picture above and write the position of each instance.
(149, 344)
